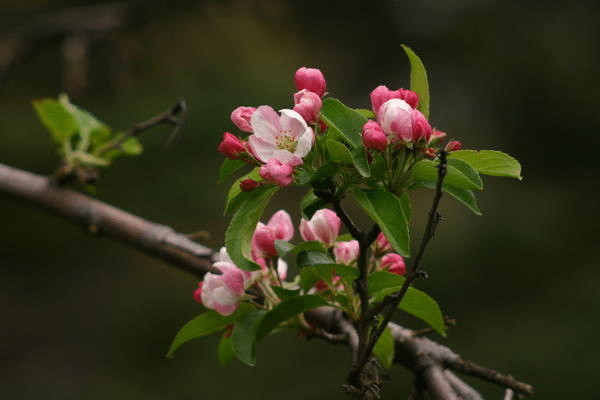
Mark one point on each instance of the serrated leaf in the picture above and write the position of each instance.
(464, 196)
(459, 174)
(385, 348)
(418, 80)
(229, 167)
(386, 209)
(489, 162)
(287, 309)
(56, 119)
(243, 338)
(205, 324)
(235, 196)
(225, 351)
(243, 223)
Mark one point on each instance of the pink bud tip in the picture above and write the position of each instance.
(373, 136)
(231, 146)
(248, 185)
(453, 145)
(311, 79)
(324, 227)
(382, 245)
(394, 263)
(308, 105)
(198, 293)
(421, 128)
(241, 118)
(276, 172)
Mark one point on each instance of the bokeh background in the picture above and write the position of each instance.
(88, 318)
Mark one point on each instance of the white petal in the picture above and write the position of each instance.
(262, 149)
(265, 123)
(305, 143)
(292, 123)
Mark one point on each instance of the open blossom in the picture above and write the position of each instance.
(308, 104)
(324, 227)
(279, 227)
(346, 252)
(222, 293)
(231, 146)
(396, 119)
(286, 138)
(241, 118)
(394, 263)
(373, 136)
(276, 172)
(381, 94)
(310, 79)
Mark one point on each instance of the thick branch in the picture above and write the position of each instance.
(97, 217)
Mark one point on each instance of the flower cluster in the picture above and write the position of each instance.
(278, 142)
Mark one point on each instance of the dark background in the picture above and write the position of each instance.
(87, 318)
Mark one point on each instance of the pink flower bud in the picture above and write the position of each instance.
(198, 293)
(308, 105)
(248, 185)
(279, 227)
(276, 172)
(394, 263)
(453, 145)
(324, 227)
(346, 252)
(430, 152)
(373, 136)
(436, 136)
(382, 245)
(310, 79)
(395, 118)
(231, 146)
(381, 94)
(241, 118)
(421, 128)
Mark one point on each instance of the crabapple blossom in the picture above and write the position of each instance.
(396, 120)
(279, 227)
(346, 252)
(394, 263)
(232, 147)
(310, 79)
(373, 136)
(324, 226)
(381, 94)
(308, 104)
(276, 172)
(241, 118)
(286, 138)
(453, 145)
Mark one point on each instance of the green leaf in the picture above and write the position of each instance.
(285, 249)
(242, 226)
(309, 276)
(56, 119)
(287, 309)
(406, 205)
(418, 80)
(343, 120)
(459, 174)
(384, 348)
(359, 158)
(308, 258)
(386, 209)
(285, 294)
(347, 272)
(225, 351)
(229, 167)
(464, 196)
(366, 113)
(205, 324)
(310, 204)
(338, 152)
(86, 122)
(489, 162)
(235, 196)
(382, 280)
(132, 146)
(243, 338)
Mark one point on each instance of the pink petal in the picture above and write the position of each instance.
(265, 123)
(292, 123)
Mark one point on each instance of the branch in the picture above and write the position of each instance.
(157, 240)
(428, 360)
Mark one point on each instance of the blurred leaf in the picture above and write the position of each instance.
(464, 196)
(287, 309)
(418, 80)
(225, 351)
(56, 119)
(86, 122)
(242, 226)
(132, 146)
(310, 204)
(489, 162)
(385, 349)
(235, 196)
(388, 212)
(459, 174)
(229, 167)
(205, 324)
(243, 338)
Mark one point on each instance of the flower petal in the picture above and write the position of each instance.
(262, 149)
(265, 123)
(292, 123)
(305, 143)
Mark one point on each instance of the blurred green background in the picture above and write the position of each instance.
(88, 318)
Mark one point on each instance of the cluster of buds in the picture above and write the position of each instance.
(278, 142)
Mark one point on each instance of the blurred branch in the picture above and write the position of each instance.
(429, 361)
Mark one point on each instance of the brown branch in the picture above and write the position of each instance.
(428, 360)
(100, 218)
